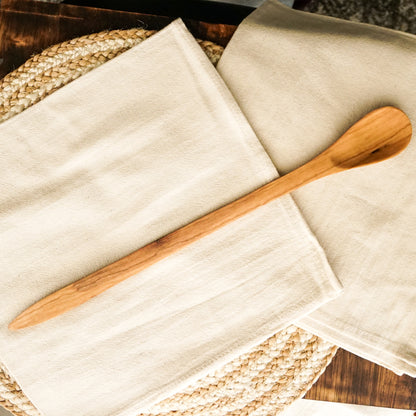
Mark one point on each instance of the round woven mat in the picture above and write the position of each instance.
(261, 382)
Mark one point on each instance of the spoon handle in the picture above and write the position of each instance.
(95, 283)
(379, 135)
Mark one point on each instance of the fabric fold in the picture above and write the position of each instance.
(302, 80)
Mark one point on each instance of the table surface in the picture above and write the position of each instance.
(28, 27)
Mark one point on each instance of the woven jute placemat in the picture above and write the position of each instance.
(261, 382)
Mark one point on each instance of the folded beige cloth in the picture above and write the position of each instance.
(302, 80)
(132, 150)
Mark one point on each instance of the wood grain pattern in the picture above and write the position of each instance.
(92, 19)
(381, 134)
(351, 379)
(28, 27)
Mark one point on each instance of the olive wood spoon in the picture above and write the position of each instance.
(379, 135)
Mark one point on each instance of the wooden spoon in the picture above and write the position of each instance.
(381, 134)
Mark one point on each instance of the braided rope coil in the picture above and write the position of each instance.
(62, 63)
(262, 382)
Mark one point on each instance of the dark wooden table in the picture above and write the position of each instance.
(28, 27)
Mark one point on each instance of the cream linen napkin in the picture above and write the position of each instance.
(125, 154)
(302, 80)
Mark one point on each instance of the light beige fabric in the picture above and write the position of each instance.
(132, 150)
(302, 80)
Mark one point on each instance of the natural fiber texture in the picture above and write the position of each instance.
(66, 61)
(261, 382)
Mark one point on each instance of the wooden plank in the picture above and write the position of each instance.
(351, 379)
(97, 19)
(17, 37)
(89, 19)
(28, 27)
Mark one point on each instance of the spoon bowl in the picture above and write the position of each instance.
(378, 136)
